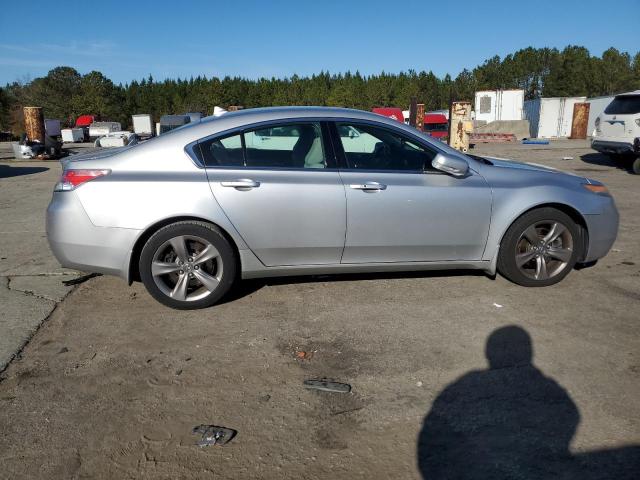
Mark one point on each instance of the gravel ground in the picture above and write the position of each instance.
(112, 383)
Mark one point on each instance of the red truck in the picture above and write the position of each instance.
(391, 112)
(436, 125)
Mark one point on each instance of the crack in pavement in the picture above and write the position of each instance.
(28, 302)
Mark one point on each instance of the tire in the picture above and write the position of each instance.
(618, 159)
(635, 166)
(540, 248)
(188, 265)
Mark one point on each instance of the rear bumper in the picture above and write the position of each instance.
(610, 146)
(80, 245)
(603, 230)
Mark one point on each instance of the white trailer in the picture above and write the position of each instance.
(143, 125)
(52, 127)
(494, 105)
(550, 117)
(71, 135)
(596, 107)
(100, 129)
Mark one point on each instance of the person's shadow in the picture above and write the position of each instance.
(511, 421)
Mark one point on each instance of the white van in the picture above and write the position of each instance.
(617, 132)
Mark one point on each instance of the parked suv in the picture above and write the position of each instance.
(618, 130)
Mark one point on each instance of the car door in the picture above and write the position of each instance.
(399, 208)
(278, 188)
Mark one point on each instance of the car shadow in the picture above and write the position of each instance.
(602, 160)
(511, 421)
(247, 287)
(8, 171)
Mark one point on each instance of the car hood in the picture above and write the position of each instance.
(506, 163)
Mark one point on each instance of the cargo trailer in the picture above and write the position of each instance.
(550, 117)
(143, 125)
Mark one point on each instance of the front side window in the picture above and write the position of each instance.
(373, 148)
(283, 146)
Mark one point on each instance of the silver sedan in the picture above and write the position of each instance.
(310, 190)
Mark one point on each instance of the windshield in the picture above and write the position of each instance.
(624, 105)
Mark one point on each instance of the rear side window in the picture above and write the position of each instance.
(223, 152)
(624, 105)
(285, 146)
(298, 145)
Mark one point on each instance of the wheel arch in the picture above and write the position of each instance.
(572, 212)
(133, 272)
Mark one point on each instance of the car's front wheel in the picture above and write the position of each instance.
(188, 265)
(540, 248)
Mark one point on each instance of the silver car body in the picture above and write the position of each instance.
(309, 221)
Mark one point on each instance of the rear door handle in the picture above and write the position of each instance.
(241, 183)
(368, 186)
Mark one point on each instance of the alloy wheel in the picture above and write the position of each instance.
(187, 268)
(544, 249)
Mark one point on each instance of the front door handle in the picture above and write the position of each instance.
(370, 186)
(241, 183)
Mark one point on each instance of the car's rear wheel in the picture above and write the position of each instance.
(188, 265)
(540, 248)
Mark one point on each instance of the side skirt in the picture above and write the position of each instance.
(253, 268)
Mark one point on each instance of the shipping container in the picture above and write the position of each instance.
(493, 105)
(550, 117)
(598, 104)
(143, 125)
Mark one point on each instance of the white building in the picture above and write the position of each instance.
(493, 105)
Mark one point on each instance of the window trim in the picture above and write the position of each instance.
(328, 150)
(343, 164)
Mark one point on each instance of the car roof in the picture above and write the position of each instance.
(251, 115)
(231, 120)
(628, 94)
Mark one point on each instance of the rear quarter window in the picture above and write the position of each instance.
(624, 105)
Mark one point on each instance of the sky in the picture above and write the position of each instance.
(183, 38)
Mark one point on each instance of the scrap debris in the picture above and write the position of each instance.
(303, 355)
(327, 386)
(213, 435)
(79, 280)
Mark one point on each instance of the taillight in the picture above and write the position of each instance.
(72, 179)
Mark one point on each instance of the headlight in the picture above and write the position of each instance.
(638, 121)
(597, 122)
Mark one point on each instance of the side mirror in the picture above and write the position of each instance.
(456, 167)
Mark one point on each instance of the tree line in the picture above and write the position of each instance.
(65, 94)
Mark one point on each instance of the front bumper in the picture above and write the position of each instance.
(79, 244)
(603, 230)
(610, 146)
